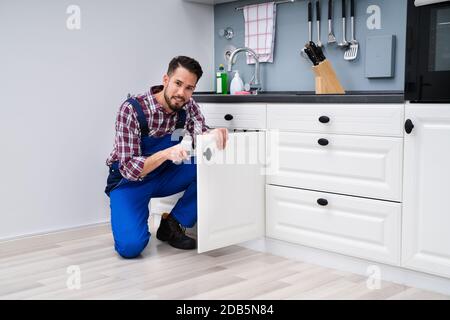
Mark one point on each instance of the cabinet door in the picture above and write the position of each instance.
(230, 190)
(426, 213)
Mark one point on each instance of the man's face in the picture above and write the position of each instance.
(179, 87)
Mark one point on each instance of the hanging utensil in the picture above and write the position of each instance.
(352, 51)
(319, 43)
(331, 37)
(303, 53)
(344, 42)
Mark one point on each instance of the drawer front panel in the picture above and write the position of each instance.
(354, 165)
(235, 116)
(359, 227)
(358, 119)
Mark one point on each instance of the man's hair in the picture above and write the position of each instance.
(188, 63)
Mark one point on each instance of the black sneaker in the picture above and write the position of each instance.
(171, 231)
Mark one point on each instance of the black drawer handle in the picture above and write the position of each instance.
(409, 126)
(324, 119)
(323, 142)
(322, 202)
(228, 117)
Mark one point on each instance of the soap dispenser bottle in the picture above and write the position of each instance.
(236, 84)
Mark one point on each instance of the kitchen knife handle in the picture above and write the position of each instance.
(352, 8)
(309, 11)
(309, 52)
(330, 8)
(318, 10)
(343, 8)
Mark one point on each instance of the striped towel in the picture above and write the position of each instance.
(260, 30)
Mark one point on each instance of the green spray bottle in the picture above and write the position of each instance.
(222, 80)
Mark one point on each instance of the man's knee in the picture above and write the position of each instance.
(130, 248)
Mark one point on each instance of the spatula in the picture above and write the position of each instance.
(352, 51)
(331, 37)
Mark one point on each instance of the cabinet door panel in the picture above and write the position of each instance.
(426, 214)
(230, 190)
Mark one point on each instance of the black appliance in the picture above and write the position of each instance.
(427, 73)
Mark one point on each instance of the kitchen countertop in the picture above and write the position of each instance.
(304, 97)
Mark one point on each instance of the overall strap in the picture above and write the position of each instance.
(140, 116)
(181, 119)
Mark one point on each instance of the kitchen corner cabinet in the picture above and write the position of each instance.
(349, 180)
(426, 214)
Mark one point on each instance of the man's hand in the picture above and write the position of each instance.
(221, 135)
(176, 153)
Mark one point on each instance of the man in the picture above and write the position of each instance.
(145, 161)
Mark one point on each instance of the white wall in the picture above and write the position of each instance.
(60, 91)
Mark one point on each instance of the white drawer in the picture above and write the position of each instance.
(355, 165)
(241, 116)
(358, 119)
(363, 228)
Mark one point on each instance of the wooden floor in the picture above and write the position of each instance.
(36, 268)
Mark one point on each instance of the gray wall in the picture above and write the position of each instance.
(60, 91)
(291, 72)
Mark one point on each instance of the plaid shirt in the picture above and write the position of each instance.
(127, 149)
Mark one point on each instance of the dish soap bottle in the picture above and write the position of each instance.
(221, 80)
(236, 84)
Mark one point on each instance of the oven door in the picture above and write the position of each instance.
(428, 53)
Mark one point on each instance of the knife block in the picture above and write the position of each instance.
(326, 79)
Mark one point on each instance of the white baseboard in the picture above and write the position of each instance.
(341, 262)
(54, 231)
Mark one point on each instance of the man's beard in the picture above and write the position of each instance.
(173, 107)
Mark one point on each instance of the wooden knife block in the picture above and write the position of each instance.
(326, 79)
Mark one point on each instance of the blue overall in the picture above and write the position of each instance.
(129, 200)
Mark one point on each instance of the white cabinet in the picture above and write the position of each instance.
(355, 165)
(353, 226)
(426, 213)
(230, 190)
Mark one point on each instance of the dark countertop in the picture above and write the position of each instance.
(304, 97)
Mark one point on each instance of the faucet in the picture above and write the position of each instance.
(255, 82)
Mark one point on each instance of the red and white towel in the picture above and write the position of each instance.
(260, 30)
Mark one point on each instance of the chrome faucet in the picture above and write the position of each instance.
(255, 82)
